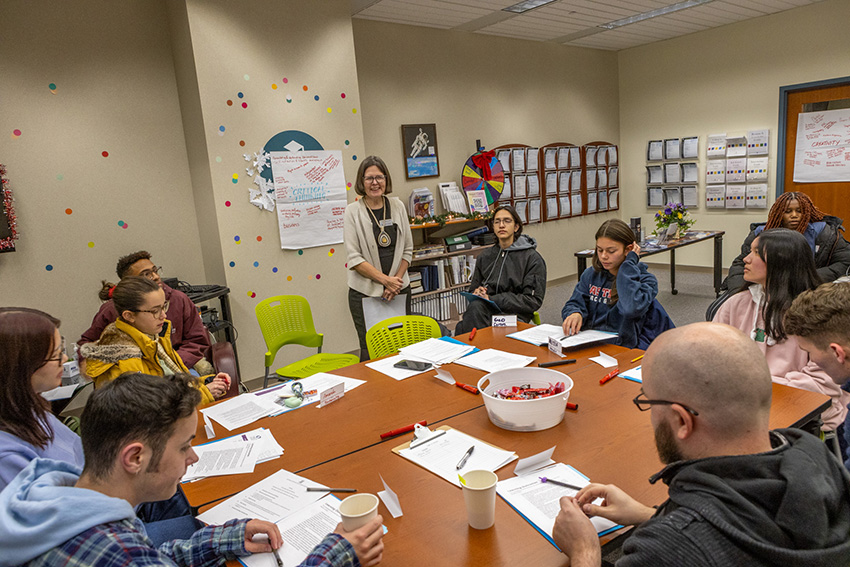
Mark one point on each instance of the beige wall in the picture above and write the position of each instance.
(111, 63)
(308, 43)
(722, 80)
(494, 89)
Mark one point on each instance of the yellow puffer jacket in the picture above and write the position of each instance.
(123, 348)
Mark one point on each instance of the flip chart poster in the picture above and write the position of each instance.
(310, 194)
(823, 147)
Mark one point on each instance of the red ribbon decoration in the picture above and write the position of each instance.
(482, 162)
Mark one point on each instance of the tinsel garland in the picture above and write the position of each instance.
(446, 217)
(8, 244)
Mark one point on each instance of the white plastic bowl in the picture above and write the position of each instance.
(525, 415)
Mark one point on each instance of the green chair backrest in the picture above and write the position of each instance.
(389, 335)
(285, 320)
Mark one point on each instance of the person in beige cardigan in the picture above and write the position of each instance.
(378, 242)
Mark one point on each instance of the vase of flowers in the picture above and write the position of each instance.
(673, 214)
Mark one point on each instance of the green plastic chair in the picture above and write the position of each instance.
(389, 335)
(535, 318)
(287, 320)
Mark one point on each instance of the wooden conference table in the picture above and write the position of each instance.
(688, 238)
(607, 439)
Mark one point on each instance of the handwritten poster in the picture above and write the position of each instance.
(310, 193)
(823, 147)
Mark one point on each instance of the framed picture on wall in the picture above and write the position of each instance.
(419, 142)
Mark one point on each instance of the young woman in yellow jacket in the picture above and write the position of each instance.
(140, 339)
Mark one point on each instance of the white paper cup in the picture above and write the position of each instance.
(479, 492)
(357, 510)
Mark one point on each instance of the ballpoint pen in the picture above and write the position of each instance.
(277, 558)
(323, 489)
(465, 457)
(556, 363)
(559, 483)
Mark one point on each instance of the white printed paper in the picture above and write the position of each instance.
(735, 196)
(757, 196)
(736, 170)
(716, 146)
(690, 147)
(757, 142)
(715, 171)
(715, 196)
(757, 169)
(822, 153)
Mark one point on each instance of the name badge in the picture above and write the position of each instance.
(504, 321)
(386, 222)
(331, 395)
(556, 346)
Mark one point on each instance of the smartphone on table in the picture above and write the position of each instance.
(412, 365)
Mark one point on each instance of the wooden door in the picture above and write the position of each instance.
(832, 198)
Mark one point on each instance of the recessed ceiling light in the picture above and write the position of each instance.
(653, 13)
(526, 5)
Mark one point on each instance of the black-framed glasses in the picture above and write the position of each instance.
(150, 273)
(156, 311)
(505, 221)
(644, 404)
(57, 355)
(378, 178)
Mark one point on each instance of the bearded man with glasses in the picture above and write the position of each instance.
(188, 334)
(738, 493)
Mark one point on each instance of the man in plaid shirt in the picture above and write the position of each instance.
(136, 434)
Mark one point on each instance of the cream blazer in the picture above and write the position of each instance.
(361, 246)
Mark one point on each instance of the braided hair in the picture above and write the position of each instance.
(808, 211)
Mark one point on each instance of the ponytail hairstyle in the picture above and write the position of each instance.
(790, 272)
(26, 341)
(808, 211)
(129, 294)
(620, 232)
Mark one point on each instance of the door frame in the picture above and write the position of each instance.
(783, 112)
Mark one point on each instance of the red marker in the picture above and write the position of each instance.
(610, 376)
(572, 406)
(467, 387)
(472, 333)
(402, 430)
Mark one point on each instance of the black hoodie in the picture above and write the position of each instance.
(788, 507)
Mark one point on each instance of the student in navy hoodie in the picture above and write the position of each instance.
(617, 293)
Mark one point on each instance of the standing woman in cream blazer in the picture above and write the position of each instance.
(378, 242)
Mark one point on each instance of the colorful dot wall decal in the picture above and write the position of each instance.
(125, 225)
(60, 177)
(229, 102)
(240, 95)
(274, 87)
(232, 264)
(318, 276)
(49, 267)
(246, 77)
(354, 158)
(256, 264)
(288, 98)
(221, 128)
(330, 252)
(16, 133)
(244, 105)
(329, 109)
(259, 239)
(52, 86)
(347, 142)
(227, 203)
(242, 143)
(300, 252)
(104, 154)
(354, 110)
(91, 244)
(285, 80)
(274, 270)
(251, 294)
(236, 238)
(305, 88)
(342, 95)
(289, 278)
(68, 211)
(316, 97)
(120, 223)
(218, 159)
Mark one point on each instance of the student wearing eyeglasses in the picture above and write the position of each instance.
(135, 342)
(188, 335)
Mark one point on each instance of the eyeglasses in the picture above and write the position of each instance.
(58, 354)
(150, 273)
(505, 221)
(378, 178)
(644, 404)
(156, 311)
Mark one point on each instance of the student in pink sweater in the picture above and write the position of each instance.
(778, 268)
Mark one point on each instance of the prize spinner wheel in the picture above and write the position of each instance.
(483, 171)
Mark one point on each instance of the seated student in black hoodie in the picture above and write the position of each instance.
(511, 274)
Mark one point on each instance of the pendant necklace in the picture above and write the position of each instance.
(383, 237)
